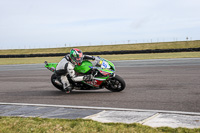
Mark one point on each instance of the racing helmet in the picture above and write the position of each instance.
(76, 56)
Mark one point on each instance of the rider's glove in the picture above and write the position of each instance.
(88, 77)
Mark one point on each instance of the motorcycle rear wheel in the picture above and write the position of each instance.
(116, 84)
(53, 78)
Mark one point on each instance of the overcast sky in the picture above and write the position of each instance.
(53, 23)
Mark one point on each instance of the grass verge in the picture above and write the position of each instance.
(40, 125)
(35, 60)
(138, 46)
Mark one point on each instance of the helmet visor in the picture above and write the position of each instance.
(78, 60)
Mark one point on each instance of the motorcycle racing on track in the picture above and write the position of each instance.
(100, 71)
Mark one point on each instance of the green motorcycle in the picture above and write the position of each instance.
(103, 73)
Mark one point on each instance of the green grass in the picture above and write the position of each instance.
(139, 46)
(39, 125)
(7, 61)
(152, 56)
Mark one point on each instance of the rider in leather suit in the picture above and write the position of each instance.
(66, 67)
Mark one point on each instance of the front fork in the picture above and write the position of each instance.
(108, 82)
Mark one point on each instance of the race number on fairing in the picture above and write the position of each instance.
(105, 65)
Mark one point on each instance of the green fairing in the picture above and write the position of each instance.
(110, 63)
(51, 65)
(101, 78)
(105, 70)
(84, 67)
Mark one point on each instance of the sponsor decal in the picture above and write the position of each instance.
(95, 83)
(105, 73)
(104, 65)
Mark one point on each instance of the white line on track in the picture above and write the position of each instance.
(103, 108)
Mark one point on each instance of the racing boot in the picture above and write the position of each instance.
(66, 85)
(67, 88)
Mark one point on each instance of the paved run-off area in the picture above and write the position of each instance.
(154, 118)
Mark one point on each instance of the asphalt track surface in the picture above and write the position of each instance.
(170, 84)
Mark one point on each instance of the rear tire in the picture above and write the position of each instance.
(53, 78)
(116, 84)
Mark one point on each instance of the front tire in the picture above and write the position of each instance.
(53, 78)
(116, 84)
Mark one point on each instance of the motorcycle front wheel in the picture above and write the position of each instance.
(116, 84)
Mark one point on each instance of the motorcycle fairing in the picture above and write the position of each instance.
(84, 67)
(51, 66)
(94, 83)
(110, 63)
(87, 66)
